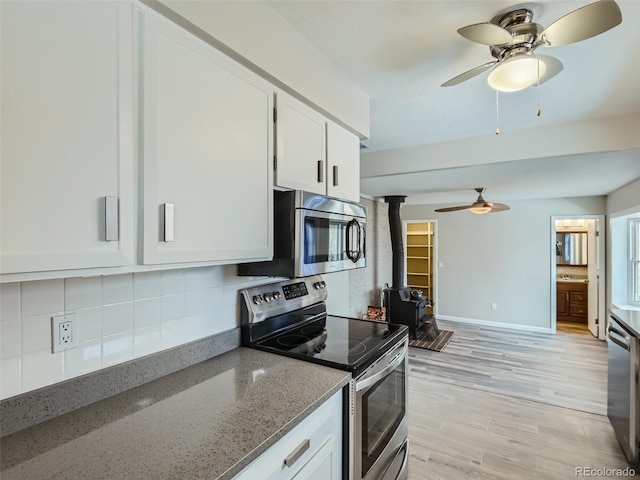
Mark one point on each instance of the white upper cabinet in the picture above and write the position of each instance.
(66, 96)
(343, 161)
(314, 154)
(207, 151)
(300, 146)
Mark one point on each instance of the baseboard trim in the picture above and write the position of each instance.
(488, 323)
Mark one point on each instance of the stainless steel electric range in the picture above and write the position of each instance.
(289, 318)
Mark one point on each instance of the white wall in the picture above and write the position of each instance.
(502, 258)
(622, 204)
(618, 261)
(119, 317)
(258, 37)
(626, 199)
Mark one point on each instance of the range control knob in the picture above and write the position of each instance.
(319, 285)
(268, 297)
(277, 295)
(257, 299)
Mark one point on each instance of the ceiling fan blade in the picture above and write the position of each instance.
(498, 207)
(583, 23)
(486, 34)
(453, 209)
(463, 77)
(554, 67)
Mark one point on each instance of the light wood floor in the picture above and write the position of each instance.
(575, 328)
(502, 404)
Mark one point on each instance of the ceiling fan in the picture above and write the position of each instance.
(513, 39)
(480, 206)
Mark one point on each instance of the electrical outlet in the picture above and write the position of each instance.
(494, 306)
(63, 332)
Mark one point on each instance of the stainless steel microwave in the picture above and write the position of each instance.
(313, 234)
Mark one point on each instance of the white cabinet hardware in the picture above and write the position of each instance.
(111, 219)
(168, 210)
(294, 456)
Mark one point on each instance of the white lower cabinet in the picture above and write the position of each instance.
(320, 467)
(207, 151)
(66, 192)
(311, 451)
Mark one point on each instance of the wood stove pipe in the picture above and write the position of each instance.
(397, 243)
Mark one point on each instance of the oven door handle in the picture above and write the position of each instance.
(397, 475)
(397, 360)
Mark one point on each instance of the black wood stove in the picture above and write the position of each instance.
(405, 306)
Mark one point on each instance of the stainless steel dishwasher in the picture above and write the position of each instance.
(622, 396)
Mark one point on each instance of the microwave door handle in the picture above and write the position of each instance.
(361, 241)
(355, 253)
(347, 243)
(348, 240)
(358, 228)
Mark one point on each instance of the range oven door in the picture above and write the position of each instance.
(328, 242)
(381, 428)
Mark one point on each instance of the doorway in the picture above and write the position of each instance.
(577, 275)
(420, 259)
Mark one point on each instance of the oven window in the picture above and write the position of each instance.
(323, 240)
(383, 408)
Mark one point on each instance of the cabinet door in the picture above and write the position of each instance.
(67, 110)
(300, 146)
(322, 464)
(207, 152)
(562, 302)
(311, 451)
(343, 161)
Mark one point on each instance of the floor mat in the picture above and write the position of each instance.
(437, 345)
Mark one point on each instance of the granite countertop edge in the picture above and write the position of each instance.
(237, 431)
(277, 435)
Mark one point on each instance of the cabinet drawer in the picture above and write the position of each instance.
(578, 297)
(301, 444)
(578, 310)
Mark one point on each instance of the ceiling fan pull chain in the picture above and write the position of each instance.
(538, 112)
(497, 113)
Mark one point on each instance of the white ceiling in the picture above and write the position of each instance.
(399, 52)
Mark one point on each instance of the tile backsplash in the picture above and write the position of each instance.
(119, 317)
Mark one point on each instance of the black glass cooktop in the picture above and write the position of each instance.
(339, 342)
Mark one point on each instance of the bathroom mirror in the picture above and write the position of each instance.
(571, 248)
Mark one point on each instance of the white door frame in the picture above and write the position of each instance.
(435, 257)
(602, 271)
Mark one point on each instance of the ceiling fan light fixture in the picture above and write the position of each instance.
(480, 210)
(516, 73)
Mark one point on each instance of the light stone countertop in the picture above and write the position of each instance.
(628, 318)
(207, 421)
